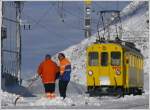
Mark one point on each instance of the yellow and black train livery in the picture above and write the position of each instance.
(114, 68)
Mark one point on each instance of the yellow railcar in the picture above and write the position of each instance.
(114, 68)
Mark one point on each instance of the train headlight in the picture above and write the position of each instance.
(118, 72)
(90, 73)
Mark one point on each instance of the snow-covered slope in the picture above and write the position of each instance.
(134, 26)
(134, 7)
(76, 54)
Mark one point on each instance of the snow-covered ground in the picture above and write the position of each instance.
(134, 24)
(78, 101)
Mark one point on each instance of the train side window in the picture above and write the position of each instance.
(130, 60)
(93, 58)
(115, 58)
(138, 62)
(127, 59)
(104, 58)
(141, 64)
(135, 61)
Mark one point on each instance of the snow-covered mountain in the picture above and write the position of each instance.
(134, 7)
(135, 28)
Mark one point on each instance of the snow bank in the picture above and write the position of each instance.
(84, 101)
(7, 99)
(57, 101)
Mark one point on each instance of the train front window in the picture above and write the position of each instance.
(115, 58)
(93, 58)
(104, 58)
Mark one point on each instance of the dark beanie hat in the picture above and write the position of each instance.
(62, 54)
(47, 56)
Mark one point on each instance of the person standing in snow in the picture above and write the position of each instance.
(47, 70)
(64, 77)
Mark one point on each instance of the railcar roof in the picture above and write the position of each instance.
(126, 45)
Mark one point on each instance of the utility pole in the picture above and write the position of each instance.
(1, 14)
(87, 18)
(18, 39)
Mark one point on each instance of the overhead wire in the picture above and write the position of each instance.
(39, 23)
(98, 28)
(46, 12)
(80, 12)
(61, 10)
(46, 28)
(78, 18)
(73, 27)
(96, 21)
(42, 16)
(69, 12)
(72, 14)
(65, 11)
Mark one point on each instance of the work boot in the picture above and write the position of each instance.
(48, 95)
(53, 95)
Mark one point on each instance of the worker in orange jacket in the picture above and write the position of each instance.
(47, 70)
(64, 77)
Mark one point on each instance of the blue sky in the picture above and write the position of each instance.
(49, 34)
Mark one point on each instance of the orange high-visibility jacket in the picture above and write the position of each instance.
(63, 63)
(47, 70)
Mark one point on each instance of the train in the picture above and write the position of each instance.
(115, 68)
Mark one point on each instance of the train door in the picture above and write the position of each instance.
(126, 67)
(104, 72)
(116, 68)
(93, 68)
